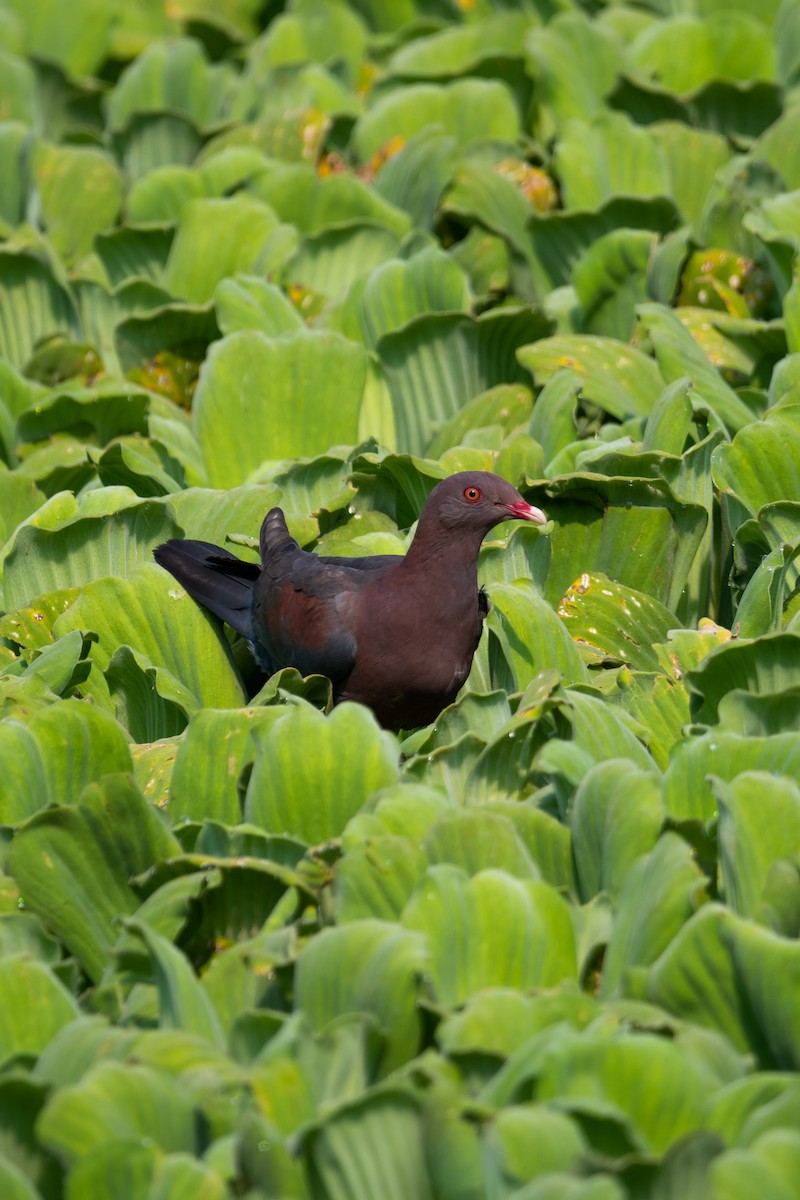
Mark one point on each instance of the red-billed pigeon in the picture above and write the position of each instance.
(396, 633)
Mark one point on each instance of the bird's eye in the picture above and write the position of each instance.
(472, 494)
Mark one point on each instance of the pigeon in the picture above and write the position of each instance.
(394, 632)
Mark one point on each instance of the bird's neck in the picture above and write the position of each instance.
(442, 552)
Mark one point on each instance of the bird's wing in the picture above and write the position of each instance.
(218, 580)
(306, 607)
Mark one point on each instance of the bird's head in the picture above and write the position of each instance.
(478, 500)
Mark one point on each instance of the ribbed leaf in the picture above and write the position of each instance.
(365, 967)
(116, 1100)
(616, 818)
(436, 363)
(607, 157)
(456, 915)
(759, 824)
(85, 546)
(34, 1005)
(352, 759)
(687, 792)
(618, 378)
(73, 865)
(34, 304)
(80, 192)
(469, 109)
(151, 614)
(295, 395)
(617, 623)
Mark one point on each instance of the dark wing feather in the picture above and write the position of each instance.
(306, 606)
(220, 581)
(484, 604)
(296, 610)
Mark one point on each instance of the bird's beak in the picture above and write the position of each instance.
(526, 512)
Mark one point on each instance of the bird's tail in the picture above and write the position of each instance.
(220, 581)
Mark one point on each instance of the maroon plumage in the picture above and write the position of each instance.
(395, 633)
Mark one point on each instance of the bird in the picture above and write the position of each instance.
(396, 633)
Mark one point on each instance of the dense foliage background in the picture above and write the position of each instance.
(545, 949)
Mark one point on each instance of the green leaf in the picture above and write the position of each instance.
(155, 617)
(526, 637)
(631, 530)
(15, 1183)
(658, 896)
(328, 262)
(77, 41)
(616, 818)
(575, 62)
(214, 239)
(770, 664)
(204, 786)
(18, 96)
(470, 110)
(312, 33)
(616, 377)
(21, 1151)
(757, 467)
(670, 420)
(749, 844)
(456, 915)
(460, 50)
(499, 1021)
(402, 810)
(415, 177)
(435, 364)
(504, 406)
(148, 700)
(376, 878)
(477, 840)
(661, 706)
(746, 1108)
(685, 51)
(648, 1081)
(365, 967)
(73, 865)
(116, 1100)
(375, 1141)
(314, 203)
(764, 1170)
(181, 1000)
(597, 161)
(394, 293)
(610, 279)
(482, 193)
(296, 395)
(34, 303)
(110, 409)
(62, 666)
(165, 76)
(352, 759)
(63, 748)
(80, 192)
(528, 1142)
(248, 302)
(679, 355)
(111, 533)
(34, 1005)
(693, 158)
(687, 791)
(731, 975)
(618, 623)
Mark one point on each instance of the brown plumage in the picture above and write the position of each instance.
(395, 633)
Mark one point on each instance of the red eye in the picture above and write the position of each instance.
(472, 494)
